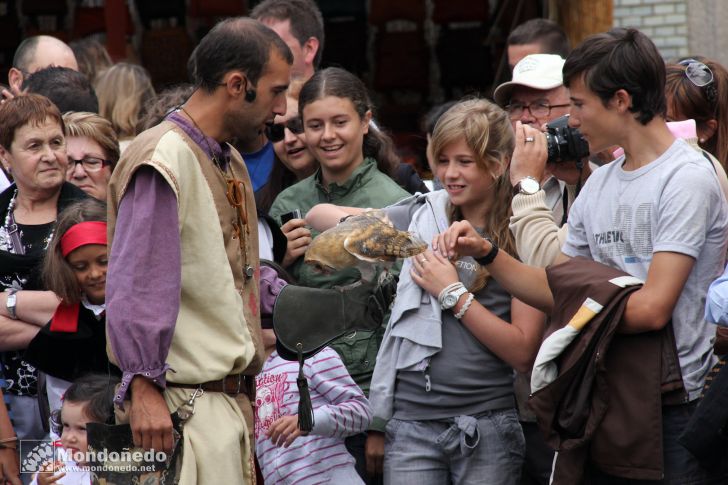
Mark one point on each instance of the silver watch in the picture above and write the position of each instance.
(451, 299)
(527, 186)
(11, 303)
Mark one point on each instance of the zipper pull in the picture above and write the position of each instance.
(428, 382)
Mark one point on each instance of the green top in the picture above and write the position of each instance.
(367, 187)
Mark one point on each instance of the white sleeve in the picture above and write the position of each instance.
(577, 243)
(689, 204)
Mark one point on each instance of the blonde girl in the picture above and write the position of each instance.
(444, 375)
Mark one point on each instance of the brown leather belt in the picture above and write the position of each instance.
(231, 385)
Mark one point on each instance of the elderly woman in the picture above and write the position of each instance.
(33, 145)
(93, 150)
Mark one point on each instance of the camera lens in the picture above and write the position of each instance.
(564, 143)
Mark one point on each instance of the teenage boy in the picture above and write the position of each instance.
(657, 213)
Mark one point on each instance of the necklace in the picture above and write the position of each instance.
(11, 208)
(14, 244)
(236, 198)
(217, 162)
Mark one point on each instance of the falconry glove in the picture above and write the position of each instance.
(306, 319)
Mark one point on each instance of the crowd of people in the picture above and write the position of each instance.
(562, 326)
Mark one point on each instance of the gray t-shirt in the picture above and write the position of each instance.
(466, 378)
(674, 204)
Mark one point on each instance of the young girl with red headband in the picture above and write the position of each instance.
(73, 343)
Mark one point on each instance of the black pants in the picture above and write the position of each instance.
(356, 446)
(539, 457)
(681, 467)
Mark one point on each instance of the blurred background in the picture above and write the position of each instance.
(412, 54)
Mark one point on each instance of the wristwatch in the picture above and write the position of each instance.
(527, 186)
(488, 258)
(451, 299)
(11, 303)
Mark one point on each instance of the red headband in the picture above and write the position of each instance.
(83, 233)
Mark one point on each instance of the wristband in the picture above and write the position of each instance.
(9, 443)
(465, 307)
(488, 258)
(11, 303)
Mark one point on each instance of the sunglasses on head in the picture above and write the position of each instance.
(702, 77)
(698, 73)
(276, 131)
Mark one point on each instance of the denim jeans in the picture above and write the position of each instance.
(681, 467)
(487, 449)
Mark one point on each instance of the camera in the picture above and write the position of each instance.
(294, 214)
(565, 144)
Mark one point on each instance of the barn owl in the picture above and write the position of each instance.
(364, 242)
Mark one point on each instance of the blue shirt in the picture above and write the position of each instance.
(259, 165)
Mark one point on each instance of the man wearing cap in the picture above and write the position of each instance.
(543, 195)
(535, 96)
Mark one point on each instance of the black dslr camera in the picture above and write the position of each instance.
(565, 144)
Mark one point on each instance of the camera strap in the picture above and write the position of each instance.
(565, 205)
(565, 196)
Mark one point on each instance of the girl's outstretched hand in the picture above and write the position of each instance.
(432, 272)
(460, 239)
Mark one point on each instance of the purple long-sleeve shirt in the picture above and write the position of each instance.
(144, 280)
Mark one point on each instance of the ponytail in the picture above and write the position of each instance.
(379, 146)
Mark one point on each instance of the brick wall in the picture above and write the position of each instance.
(665, 21)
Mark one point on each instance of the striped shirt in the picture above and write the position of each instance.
(340, 410)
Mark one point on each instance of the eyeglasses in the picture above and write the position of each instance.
(90, 164)
(538, 109)
(275, 131)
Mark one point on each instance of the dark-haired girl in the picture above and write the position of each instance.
(73, 343)
(88, 400)
(355, 159)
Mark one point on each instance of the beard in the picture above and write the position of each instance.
(244, 132)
